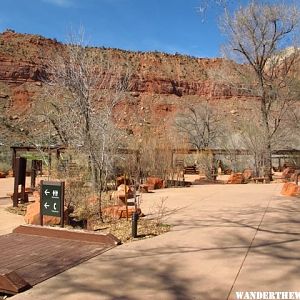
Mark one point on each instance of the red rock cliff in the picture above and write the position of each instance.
(23, 59)
(160, 84)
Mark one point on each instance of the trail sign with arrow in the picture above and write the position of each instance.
(52, 199)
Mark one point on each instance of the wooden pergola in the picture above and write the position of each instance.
(276, 154)
(16, 149)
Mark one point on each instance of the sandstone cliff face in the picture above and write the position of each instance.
(160, 84)
(23, 58)
(181, 88)
(15, 72)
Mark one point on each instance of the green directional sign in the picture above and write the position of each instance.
(52, 198)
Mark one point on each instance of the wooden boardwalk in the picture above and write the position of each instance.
(27, 259)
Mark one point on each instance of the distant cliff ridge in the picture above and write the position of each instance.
(22, 59)
(160, 84)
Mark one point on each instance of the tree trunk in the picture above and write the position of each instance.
(267, 146)
(268, 162)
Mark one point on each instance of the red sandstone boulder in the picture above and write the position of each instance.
(32, 215)
(284, 189)
(121, 180)
(119, 195)
(287, 172)
(154, 183)
(290, 189)
(10, 173)
(248, 174)
(144, 188)
(295, 175)
(236, 178)
(122, 188)
(119, 211)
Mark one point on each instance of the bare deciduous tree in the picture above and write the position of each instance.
(200, 124)
(252, 139)
(258, 35)
(83, 90)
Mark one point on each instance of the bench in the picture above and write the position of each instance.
(259, 179)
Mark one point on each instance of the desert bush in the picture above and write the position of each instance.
(4, 167)
(205, 163)
(159, 212)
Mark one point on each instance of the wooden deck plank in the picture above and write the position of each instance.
(37, 249)
(30, 245)
(59, 251)
(84, 236)
(33, 254)
(8, 241)
(35, 258)
(16, 247)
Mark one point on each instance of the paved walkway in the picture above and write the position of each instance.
(7, 186)
(8, 221)
(225, 238)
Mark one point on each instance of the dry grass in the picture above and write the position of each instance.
(20, 210)
(122, 229)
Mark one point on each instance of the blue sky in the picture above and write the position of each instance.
(164, 25)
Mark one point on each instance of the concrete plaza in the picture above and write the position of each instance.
(224, 238)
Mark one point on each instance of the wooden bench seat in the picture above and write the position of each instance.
(259, 179)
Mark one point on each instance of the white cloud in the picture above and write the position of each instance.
(61, 3)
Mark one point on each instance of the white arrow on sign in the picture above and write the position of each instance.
(47, 192)
(46, 205)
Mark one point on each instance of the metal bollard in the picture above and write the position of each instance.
(134, 221)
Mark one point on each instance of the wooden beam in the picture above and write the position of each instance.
(12, 283)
